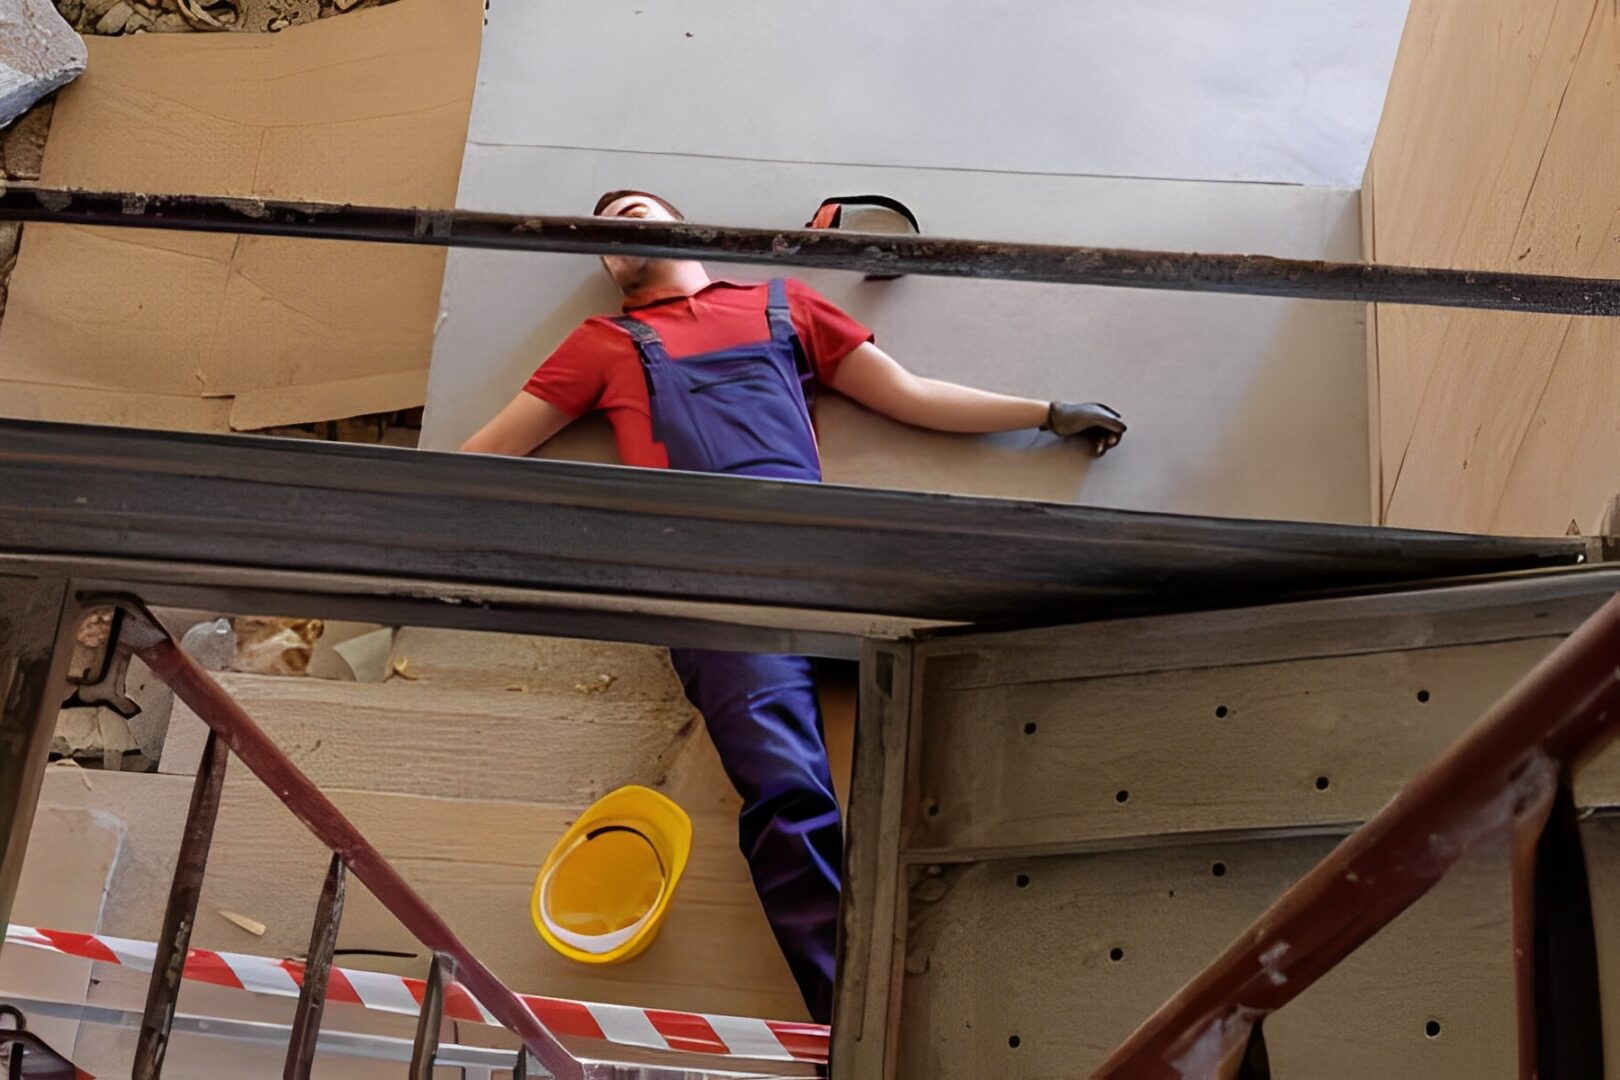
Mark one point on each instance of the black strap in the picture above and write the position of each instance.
(643, 334)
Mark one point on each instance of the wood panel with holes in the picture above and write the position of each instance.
(1090, 814)
(1037, 967)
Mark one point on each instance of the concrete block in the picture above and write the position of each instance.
(38, 53)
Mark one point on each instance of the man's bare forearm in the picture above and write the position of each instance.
(946, 406)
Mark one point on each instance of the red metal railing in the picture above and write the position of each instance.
(232, 731)
(1512, 771)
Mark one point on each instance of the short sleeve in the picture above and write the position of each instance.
(827, 333)
(573, 376)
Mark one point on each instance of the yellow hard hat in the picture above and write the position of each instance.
(602, 893)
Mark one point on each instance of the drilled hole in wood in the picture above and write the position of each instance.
(1219, 869)
(1423, 695)
(1029, 728)
(931, 808)
(1116, 954)
(1013, 1041)
(1432, 1029)
(1022, 881)
(1221, 711)
(1122, 796)
(1321, 783)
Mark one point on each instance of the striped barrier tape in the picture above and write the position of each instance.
(625, 1025)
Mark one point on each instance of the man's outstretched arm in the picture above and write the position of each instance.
(518, 429)
(873, 378)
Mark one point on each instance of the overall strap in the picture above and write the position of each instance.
(649, 346)
(644, 335)
(780, 317)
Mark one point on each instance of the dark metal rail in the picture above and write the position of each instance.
(831, 249)
(1511, 772)
(341, 508)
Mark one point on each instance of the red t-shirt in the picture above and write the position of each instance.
(597, 368)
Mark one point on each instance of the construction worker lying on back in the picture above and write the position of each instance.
(720, 376)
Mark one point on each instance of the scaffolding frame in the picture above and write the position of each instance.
(49, 584)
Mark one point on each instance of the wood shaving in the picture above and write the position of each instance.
(597, 685)
(252, 926)
(401, 667)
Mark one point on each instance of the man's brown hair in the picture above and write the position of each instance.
(606, 200)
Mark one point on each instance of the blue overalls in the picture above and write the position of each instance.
(744, 410)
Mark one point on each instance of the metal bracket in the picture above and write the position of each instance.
(99, 668)
(29, 1056)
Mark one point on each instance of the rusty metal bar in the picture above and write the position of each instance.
(426, 1046)
(181, 914)
(867, 253)
(306, 1028)
(192, 685)
(34, 612)
(1505, 771)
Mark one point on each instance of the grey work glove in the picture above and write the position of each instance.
(1091, 420)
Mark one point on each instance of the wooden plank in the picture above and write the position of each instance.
(105, 1050)
(1494, 151)
(1300, 743)
(1501, 609)
(1025, 951)
(469, 660)
(64, 885)
(413, 738)
(873, 929)
(474, 860)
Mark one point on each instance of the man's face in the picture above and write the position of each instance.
(631, 272)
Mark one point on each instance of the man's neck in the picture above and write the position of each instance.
(679, 280)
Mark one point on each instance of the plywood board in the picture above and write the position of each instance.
(104, 1050)
(65, 878)
(1495, 152)
(370, 109)
(415, 739)
(567, 720)
(1316, 742)
(1267, 90)
(1239, 406)
(1024, 949)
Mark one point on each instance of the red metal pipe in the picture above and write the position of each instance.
(1502, 772)
(260, 754)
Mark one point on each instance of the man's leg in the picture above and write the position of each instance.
(763, 715)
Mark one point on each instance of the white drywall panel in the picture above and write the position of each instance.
(1263, 90)
(1238, 406)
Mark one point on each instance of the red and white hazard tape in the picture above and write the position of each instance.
(658, 1029)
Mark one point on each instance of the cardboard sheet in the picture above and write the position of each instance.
(368, 108)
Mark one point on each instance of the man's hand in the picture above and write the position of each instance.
(1091, 420)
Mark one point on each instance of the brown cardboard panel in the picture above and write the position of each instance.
(371, 108)
(124, 408)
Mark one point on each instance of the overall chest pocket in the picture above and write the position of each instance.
(748, 416)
